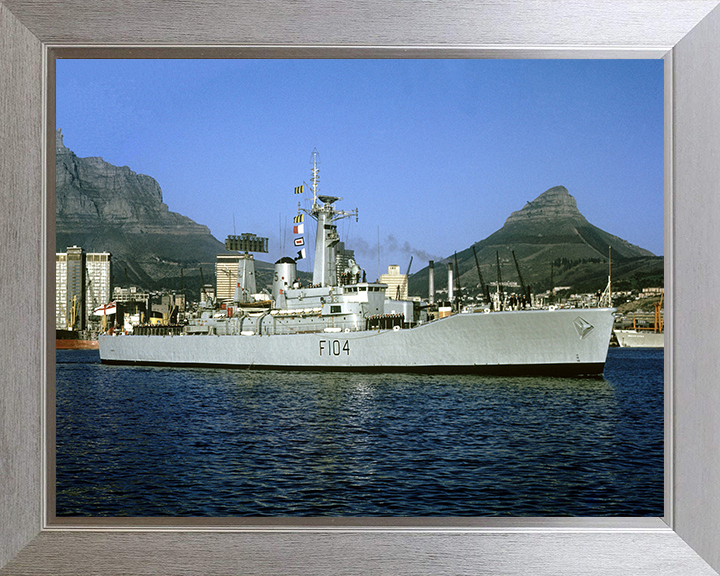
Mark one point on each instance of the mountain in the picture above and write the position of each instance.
(550, 236)
(106, 208)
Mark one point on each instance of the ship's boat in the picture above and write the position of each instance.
(342, 322)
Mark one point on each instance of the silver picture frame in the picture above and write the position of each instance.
(686, 33)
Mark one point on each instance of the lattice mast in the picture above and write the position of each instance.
(326, 237)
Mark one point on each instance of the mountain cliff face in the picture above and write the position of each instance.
(554, 221)
(106, 208)
(553, 204)
(550, 232)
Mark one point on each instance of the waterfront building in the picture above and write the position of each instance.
(131, 294)
(396, 282)
(648, 292)
(82, 283)
(98, 283)
(226, 270)
(168, 309)
(61, 320)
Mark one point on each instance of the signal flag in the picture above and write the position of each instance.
(299, 229)
(298, 218)
(300, 241)
(299, 189)
(301, 254)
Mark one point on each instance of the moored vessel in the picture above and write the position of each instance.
(639, 338)
(75, 340)
(644, 336)
(342, 322)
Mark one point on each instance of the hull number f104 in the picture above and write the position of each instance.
(334, 347)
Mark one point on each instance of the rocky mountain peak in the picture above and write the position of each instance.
(60, 147)
(108, 208)
(555, 203)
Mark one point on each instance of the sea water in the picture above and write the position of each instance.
(147, 441)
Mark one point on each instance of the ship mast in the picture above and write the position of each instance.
(326, 237)
(315, 177)
(606, 297)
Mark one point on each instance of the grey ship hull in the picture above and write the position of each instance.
(557, 342)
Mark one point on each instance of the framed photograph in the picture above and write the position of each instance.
(383, 352)
(684, 540)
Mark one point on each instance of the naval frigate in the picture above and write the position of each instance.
(343, 323)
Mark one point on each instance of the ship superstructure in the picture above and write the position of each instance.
(343, 322)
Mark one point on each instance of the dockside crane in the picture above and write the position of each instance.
(525, 290)
(458, 287)
(202, 290)
(499, 281)
(483, 286)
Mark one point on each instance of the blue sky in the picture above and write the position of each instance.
(435, 154)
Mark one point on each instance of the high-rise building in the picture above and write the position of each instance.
(82, 283)
(342, 258)
(226, 271)
(397, 283)
(74, 307)
(61, 320)
(97, 282)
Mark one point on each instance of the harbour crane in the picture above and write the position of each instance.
(525, 291)
(483, 286)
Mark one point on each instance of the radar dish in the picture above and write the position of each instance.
(328, 199)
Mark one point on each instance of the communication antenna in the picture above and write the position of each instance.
(315, 176)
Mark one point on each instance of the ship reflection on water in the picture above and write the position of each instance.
(211, 442)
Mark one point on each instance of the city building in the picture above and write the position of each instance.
(168, 310)
(397, 283)
(226, 271)
(61, 300)
(343, 258)
(82, 283)
(131, 294)
(98, 283)
(131, 302)
(648, 292)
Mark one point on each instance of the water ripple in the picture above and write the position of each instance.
(203, 442)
